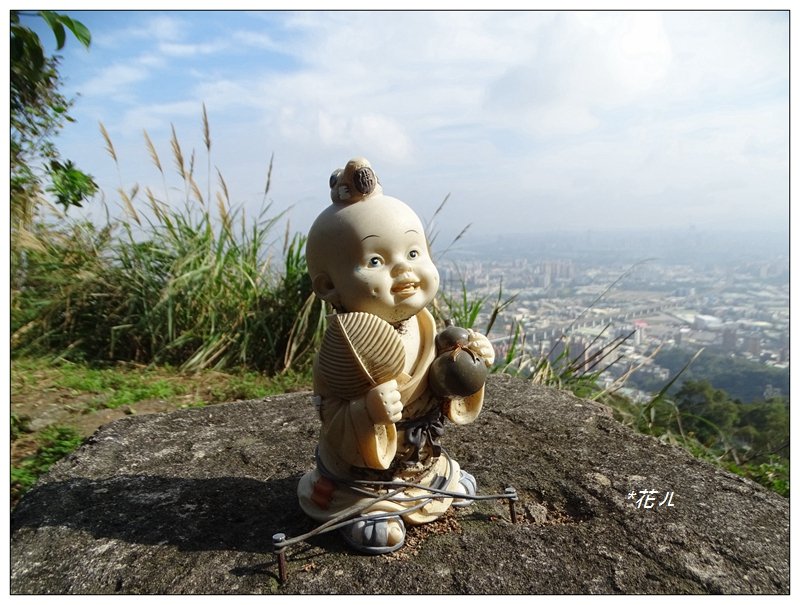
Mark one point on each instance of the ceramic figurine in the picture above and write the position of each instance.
(384, 381)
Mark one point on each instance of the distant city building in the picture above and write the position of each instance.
(729, 339)
(752, 345)
(639, 335)
(739, 307)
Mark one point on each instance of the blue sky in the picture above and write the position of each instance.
(529, 121)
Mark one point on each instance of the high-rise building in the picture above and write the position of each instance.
(729, 339)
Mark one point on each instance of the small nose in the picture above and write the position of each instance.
(400, 267)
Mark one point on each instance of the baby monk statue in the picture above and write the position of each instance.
(384, 381)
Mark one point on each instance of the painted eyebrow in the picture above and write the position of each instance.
(369, 236)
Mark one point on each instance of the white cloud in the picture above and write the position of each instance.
(581, 65)
(225, 94)
(157, 117)
(163, 28)
(639, 53)
(174, 49)
(375, 134)
(727, 52)
(152, 27)
(606, 117)
(114, 82)
(255, 40)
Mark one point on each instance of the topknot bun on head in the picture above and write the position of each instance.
(355, 182)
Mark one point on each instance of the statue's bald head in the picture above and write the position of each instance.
(336, 235)
(367, 251)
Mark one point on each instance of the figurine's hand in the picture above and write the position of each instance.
(383, 403)
(480, 345)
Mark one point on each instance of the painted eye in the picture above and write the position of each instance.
(413, 254)
(375, 261)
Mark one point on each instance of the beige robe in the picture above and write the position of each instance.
(352, 447)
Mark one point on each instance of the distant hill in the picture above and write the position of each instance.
(691, 246)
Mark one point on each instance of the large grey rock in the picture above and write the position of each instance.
(187, 502)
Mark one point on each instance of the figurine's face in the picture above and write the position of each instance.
(381, 265)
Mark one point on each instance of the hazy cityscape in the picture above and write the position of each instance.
(586, 291)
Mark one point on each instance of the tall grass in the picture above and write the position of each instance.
(564, 367)
(191, 282)
(578, 371)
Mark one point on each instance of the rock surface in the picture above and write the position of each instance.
(187, 503)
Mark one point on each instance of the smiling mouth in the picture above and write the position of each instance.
(405, 288)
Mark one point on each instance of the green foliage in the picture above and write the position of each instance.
(562, 367)
(114, 388)
(706, 412)
(160, 389)
(464, 308)
(34, 378)
(57, 23)
(742, 432)
(109, 386)
(748, 439)
(54, 443)
(69, 185)
(773, 474)
(251, 385)
(38, 112)
(176, 284)
(20, 424)
(61, 271)
(763, 427)
(743, 379)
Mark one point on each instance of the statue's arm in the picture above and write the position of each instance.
(361, 431)
(463, 410)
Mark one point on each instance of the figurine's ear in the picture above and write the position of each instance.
(324, 288)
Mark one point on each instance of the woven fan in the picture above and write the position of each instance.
(358, 352)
